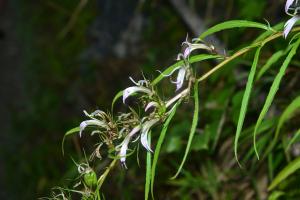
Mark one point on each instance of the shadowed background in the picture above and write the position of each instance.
(59, 58)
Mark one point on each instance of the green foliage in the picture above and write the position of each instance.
(285, 173)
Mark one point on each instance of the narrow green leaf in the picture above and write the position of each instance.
(193, 59)
(159, 144)
(148, 171)
(273, 90)
(245, 101)
(286, 172)
(275, 195)
(290, 110)
(68, 133)
(232, 24)
(293, 140)
(117, 96)
(273, 59)
(193, 129)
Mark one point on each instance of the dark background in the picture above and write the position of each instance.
(60, 57)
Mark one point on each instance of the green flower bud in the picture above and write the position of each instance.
(90, 178)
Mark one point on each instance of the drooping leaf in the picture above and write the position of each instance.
(288, 113)
(233, 24)
(275, 195)
(273, 91)
(193, 129)
(245, 101)
(271, 61)
(159, 144)
(117, 96)
(148, 171)
(68, 133)
(286, 172)
(293, 140)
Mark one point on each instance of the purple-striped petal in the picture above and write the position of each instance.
(288, 4)
(131, 90)
(289, 25)
(124, 145)
(180, 78)
(145, 130)
(92, 122)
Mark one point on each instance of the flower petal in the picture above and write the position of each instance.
(180, 78)
(131, 90)
(150, 105)
(145, 130)
(289, 25)
(94, 122)
(288, 4)
(124, 145)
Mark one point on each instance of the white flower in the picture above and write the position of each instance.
(145, 130)
(181, 74)
(288, 4)
(124, 145)
(193, 46)
(92, 122)
(289, 25)
(150, 105)
(134, 89)
(180, 77)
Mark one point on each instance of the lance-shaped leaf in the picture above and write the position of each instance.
(193, 129)
(273, 91)
(159, 144)
(245, 101)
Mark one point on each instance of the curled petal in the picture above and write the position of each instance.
(150, 105)
(180, 78)
(145, 130)
(191, 47)
(289, 25)
(92, 122)
(124, 145)
(131, 90)
(139, 83)
(172, 72)
(288, 4)
(187, 52)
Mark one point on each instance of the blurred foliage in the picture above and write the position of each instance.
(60, 83)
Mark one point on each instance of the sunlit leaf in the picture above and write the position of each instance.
(233, 24)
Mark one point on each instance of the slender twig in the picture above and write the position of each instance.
(241, 52)
(73, 19)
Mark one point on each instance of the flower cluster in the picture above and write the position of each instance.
(119, 132)
(292, 8)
